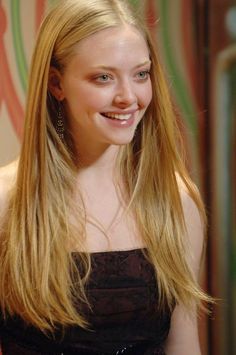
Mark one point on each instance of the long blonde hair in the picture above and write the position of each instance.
(38, 278)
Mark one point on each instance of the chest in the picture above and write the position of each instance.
(109, 225)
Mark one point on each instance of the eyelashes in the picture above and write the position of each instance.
(143, 74)
(104, 78)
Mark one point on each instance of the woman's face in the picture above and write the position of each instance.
(106, 87)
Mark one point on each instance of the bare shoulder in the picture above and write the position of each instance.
(190, 209)
(191, 212)
(194, 227)
(7, 179)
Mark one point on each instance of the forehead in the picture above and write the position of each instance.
(122, 43)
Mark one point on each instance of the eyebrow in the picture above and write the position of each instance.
(113, 68)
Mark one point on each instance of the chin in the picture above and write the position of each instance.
(123, 141)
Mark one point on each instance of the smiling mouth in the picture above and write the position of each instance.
(117, 116)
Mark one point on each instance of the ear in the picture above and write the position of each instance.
(54, 84)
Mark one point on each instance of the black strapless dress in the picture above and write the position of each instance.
(124, 317)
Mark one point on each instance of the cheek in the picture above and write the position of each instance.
(91, 98)
(147, 95)
(86, 104)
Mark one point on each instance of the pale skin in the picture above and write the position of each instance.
(114, 80)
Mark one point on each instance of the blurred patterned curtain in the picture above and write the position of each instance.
(197, 44)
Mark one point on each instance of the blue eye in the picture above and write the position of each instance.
(143, 75)
(103, 78)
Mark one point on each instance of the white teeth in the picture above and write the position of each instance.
(118, 116)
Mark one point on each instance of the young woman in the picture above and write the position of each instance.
(101, 227)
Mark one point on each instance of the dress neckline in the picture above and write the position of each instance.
(110, 252)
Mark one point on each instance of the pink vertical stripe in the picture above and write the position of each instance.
(40, 10)
(8, 93)
(151, 16)
(186, 31)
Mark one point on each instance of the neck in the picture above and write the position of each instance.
(102, 159)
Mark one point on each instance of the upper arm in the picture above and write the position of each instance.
(7, 179)
(194, 233)
(3, 195)
(183, 336)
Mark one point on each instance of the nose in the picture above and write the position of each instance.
(125, 95)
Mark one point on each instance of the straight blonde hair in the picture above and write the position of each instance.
(38, 278)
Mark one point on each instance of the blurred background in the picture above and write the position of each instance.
(197, 45)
